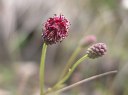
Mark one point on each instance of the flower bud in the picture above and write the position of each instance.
(88, 40)
(55, 29)
(96, 50)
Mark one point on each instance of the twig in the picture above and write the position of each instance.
(85, 80)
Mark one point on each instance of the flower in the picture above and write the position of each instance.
(55, 29)
(96, 50)
(88, 40)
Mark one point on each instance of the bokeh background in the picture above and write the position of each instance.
(21, 23)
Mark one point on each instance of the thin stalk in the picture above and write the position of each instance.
(70, 62)
(70, 71)
(54, 88)
(42, 68)
(86, 80)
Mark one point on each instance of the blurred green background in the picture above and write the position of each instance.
(21, 23)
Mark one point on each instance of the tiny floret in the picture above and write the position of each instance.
(97, 50)
(55, 29)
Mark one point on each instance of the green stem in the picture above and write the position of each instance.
(55, 87)
(70, 62)
(72, 69)
(42, 65)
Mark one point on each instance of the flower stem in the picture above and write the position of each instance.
(70, 62)
(70, 71)
(42, 65)
(55, 87)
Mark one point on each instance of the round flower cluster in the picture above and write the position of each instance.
(55, 29)
(96, 50)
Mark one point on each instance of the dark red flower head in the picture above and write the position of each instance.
(55, 29)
